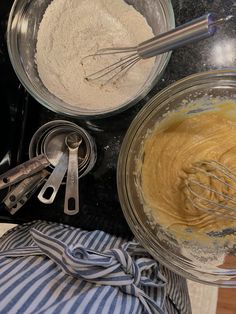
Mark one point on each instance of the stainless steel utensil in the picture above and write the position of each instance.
(50, 139)
(23, 189)
(23, 171)
(19, 204)
(51, 187)
(210, 186)
(195, 30)
(71, 204)
(35, 146)
(54, 145)
(13, 209)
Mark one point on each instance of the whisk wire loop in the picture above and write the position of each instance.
(233, 200)
(219, 202)
(224, 214)
(122, 64)
(223, 169)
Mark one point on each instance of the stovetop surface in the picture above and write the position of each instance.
(21, 116)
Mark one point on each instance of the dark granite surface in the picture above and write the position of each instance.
(21, 116)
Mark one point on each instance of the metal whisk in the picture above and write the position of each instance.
(197, 29)
(210, 186)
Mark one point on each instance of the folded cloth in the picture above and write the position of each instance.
(53, 268)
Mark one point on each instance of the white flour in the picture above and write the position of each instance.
(71, 30)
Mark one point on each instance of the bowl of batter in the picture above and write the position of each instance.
(186, 125)
(48, 42)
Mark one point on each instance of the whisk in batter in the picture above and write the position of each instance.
(210, 187)
(71, 30)
(179, 157)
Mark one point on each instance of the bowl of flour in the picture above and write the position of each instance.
(49, 40)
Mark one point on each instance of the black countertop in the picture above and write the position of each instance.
(21, 116)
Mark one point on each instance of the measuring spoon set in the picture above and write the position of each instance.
(60, 153)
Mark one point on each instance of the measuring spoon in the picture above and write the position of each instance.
(23, 171)
(71, 204)
(18, 196)
(51, 187)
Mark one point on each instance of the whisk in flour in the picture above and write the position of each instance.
(71, 30)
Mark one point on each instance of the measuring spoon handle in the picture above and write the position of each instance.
(23, 171)
(51, 187)
(16, 198)
(23, 188)
(71, 204)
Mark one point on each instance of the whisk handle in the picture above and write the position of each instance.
(195, 30)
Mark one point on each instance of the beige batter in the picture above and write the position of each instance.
(73, 29)
(172, 153)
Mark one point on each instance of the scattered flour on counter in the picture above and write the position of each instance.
(71, 30)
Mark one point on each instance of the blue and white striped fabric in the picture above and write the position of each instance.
(53, 268)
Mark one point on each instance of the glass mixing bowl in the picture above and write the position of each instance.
(197, 264)
(23, 25)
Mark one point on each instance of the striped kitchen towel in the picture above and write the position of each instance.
(53, 268)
